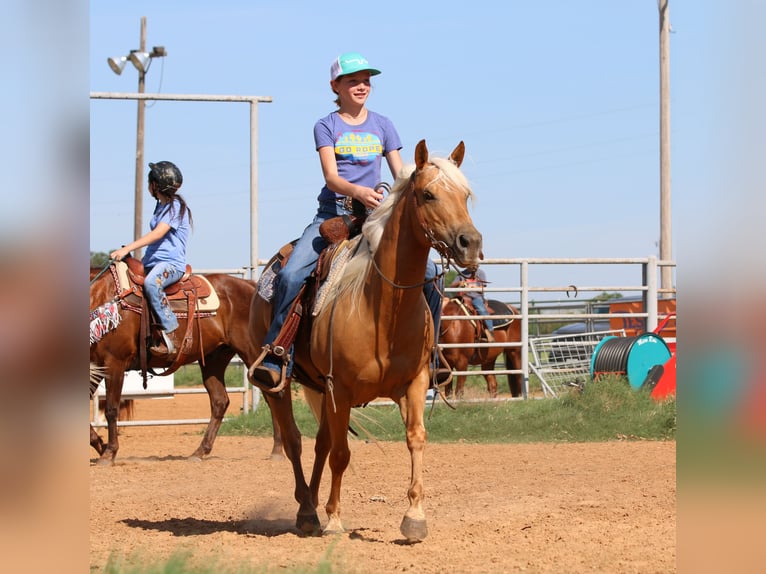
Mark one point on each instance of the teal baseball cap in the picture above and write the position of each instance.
(349, 63)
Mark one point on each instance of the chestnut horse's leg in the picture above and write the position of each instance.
(337, 418)
(491, 378)
(115, 376)
(213, 372)
(513, 362)
(281, 406)
(321, 450)
(461, 365)
(412, 406)
(277, 446)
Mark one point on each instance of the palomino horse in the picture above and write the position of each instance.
(216, 338)
(467, 331)
(373, 336)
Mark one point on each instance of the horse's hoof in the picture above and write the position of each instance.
(413, 530)
(308, 525)
(195, 458)
(333, 527)
(277, 456)
(105, 461)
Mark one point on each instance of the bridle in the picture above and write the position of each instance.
(442, 248)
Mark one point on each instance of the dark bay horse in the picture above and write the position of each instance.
(467, 331)
(216, 338)
(373, 336)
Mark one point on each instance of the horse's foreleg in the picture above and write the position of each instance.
(460, 386)
(337, 426)
(321, 450)
(414, 527)
(213, 378)
(307, 520)
(277, 446)
(114, 380)
(491, 379)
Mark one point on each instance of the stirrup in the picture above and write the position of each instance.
(441, 376)
(283, 378)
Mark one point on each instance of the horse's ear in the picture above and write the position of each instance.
(421, 154)
(457, 154)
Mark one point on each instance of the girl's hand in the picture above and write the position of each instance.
(371, 198)
(118, 254)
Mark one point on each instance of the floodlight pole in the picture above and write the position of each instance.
(139, 195)
(666, 249)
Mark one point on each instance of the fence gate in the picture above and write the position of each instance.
(562, 362)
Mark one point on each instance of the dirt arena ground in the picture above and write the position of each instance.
(604, 507)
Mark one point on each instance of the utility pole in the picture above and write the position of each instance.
(139, 195)
(666, 249)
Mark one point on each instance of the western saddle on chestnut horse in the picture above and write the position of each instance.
(192, 297)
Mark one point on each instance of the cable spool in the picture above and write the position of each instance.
(631, 356)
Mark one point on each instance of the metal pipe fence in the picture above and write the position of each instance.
(529, 312)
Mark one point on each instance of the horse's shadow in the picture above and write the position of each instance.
(166, 458)
(194, 526)
(259, 527)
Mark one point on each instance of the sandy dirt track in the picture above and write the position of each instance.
(604, 507)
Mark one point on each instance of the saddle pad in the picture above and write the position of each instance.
(207, 304)
(343, 252)
(267, 278)
(500, 308)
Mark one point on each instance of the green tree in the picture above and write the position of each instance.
(99, 259)
(604, 296)
(449, 277)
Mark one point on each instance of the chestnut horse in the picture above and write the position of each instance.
(215, 341)
(373, 336)
(467, 331)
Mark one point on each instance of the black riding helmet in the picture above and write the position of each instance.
(166, 175)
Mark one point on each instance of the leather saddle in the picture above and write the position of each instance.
(311, 295)
(494, 307)
(466, 306)
(192, 297)
(131, 277)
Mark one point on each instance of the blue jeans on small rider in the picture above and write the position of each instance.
(302, 262)
(481, 309)
(157, 278)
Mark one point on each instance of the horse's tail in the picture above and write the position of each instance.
(314, 400)
(96, 375)
(514, 380)
(127, 408)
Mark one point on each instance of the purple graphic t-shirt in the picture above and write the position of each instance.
(358, 149)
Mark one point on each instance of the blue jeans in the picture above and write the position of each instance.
(481, 309)
(299, 266)
(157, 278)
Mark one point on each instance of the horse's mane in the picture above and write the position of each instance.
(356, 270)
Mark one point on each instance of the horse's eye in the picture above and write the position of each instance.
(428, 196)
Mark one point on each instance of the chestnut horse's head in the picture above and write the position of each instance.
(441, 194)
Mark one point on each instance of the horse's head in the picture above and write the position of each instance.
(441, 194)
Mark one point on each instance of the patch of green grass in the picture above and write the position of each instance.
(191, 376)
(605, 410)
(185, 563)
(258, 423)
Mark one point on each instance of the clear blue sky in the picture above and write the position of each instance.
(557, 102)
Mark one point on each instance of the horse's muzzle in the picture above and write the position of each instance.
(467, 247)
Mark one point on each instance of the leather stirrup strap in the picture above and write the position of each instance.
(187, 340)
(143, 339)
(289, 330)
